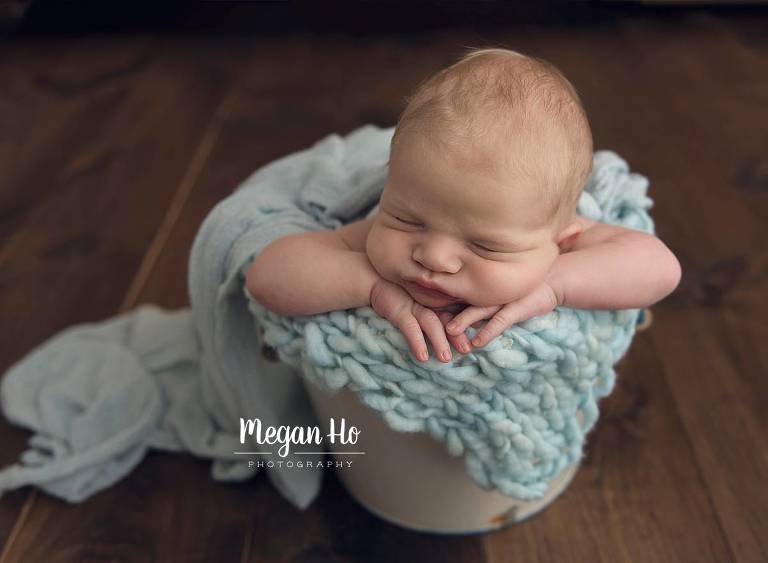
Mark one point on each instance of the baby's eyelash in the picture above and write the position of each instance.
(407, 222)
(485, 248)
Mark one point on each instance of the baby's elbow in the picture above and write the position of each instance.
(259, 287)
(670, 273)
(267, 299)
(254, 287)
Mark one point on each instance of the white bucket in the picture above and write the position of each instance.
(411, 480)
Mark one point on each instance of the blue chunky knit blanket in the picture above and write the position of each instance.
(509, 408)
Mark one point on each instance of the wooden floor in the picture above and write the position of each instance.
(114, 148)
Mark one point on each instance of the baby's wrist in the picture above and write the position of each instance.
(556, 281)
(368, 277)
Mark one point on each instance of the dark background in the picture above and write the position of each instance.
(365, 17)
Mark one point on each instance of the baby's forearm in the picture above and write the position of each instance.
(310, 273)
(629, 270)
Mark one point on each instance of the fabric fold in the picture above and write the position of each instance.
(98, 396)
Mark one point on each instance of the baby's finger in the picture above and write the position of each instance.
(493, 328)
(411, 330)
(431, 324)
(469, 316)
(458, 341)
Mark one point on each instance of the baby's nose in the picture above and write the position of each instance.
(438, 256)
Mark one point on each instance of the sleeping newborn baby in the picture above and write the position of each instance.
(477, 219)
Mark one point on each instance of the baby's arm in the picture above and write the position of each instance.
(309, 273)
(606, 267)
(611, 267)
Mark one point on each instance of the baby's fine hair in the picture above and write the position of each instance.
(496, 95)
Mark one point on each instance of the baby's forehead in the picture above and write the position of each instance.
(517, 168)
(516, 210)
(500, 152)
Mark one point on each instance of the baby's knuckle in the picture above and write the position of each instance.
(407, 323)
(425, 314)
(499, 320)
(417, 308)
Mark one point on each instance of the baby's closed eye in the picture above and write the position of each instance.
(407, 222)
(485, 248)
(497, 250)
(482, 247)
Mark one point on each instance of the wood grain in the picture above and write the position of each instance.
(96, 138)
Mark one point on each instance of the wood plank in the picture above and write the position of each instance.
(98, 134)
(710, 342)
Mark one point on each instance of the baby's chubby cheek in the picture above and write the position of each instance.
(380, 256)
(499, 284)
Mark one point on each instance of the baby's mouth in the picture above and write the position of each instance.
(451, 307)
(431, 293)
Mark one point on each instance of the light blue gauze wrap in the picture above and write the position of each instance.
(509, 408)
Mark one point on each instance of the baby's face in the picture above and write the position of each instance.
(480, 238)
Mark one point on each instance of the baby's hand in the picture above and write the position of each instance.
(540, 301)
(397, 306)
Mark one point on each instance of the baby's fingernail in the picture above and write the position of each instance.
(422, 356)
(446, 355)
(451, 326)
(476, 341)
(463, 348)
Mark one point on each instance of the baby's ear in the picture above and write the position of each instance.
(568, 236)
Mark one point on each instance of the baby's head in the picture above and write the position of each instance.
(486, 167)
